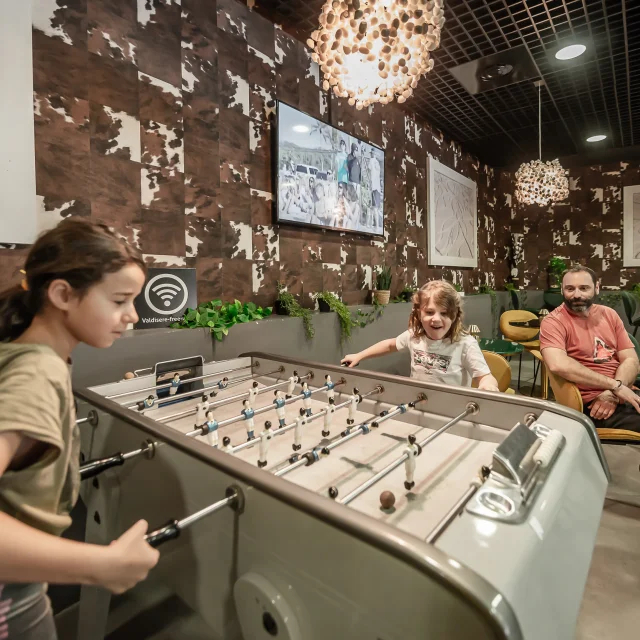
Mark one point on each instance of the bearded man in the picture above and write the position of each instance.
(588, 345)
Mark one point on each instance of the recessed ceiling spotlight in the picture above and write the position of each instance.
(597, 138)
(301, 128)
(572, 51)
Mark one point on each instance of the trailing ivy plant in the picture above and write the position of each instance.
(293, 308)
(362, 319)
(218, 316)
(457, 287)
(344, 315)
(521, 293)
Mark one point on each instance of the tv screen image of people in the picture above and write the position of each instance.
(327, 178)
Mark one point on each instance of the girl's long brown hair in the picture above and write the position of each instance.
(76, 250)
(443, 295)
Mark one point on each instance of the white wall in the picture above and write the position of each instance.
(17, 153)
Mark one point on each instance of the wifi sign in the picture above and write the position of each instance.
(167, 292)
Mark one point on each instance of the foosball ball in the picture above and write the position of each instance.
(308, 501)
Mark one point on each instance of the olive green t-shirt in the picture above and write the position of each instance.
(36, 400)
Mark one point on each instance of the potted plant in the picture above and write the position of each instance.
(331, 302)
(382, 292)
(406, 294)
(557, 266)
(459, 289)
(287, 305)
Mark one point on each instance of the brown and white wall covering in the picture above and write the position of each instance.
(585, 228)
(154, 116)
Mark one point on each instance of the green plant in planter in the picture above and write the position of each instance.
(383, 279)
(557, 266)
(293, 308)
(406, 294)
(344, 315)
(219, 316)
(457, 287)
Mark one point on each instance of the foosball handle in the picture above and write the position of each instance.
(346, 364)
(94, 467)
(169, 532)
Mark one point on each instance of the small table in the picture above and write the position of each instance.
(501, 347)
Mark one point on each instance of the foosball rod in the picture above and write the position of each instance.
(453, 513)
(168, 384)
(174, 528)
(163, 402)
(94, 467)
(311, 456)
(203, 431)
(472, 408)
(311, 418)
(230, 399)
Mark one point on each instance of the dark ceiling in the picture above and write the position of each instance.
(599, 92)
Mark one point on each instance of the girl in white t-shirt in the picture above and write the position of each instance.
(440, 348)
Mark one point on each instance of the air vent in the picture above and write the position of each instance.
(497, 70)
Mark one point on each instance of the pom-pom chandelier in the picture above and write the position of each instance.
(540, 182)
(376, 50)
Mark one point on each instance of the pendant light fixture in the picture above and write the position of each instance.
(376, 50)
(538, 182)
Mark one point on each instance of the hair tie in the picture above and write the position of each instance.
(24, 284)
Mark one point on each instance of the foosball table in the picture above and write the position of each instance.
(308, 501)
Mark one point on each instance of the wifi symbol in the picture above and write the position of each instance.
(166, 292)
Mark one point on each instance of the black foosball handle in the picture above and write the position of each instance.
(169, 532)
(347, 363)
(94, 467)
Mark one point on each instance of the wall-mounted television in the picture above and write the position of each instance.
(325, 177)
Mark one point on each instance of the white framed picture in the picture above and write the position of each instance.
(631, 228)
(452, 217)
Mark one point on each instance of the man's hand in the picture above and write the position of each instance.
(603, 406)
(625, 394)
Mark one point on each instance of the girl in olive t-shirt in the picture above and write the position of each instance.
(79, 286)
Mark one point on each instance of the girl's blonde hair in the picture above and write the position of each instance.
(443, 295)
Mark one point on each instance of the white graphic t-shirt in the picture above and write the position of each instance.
(443, 361)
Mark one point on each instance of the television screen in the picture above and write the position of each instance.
(327, 178)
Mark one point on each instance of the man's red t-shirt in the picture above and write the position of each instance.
(593, 341)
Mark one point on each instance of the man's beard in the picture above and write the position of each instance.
(578, 305)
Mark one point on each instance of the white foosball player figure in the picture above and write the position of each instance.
(175, 383)
(201, 411)
(328, 416)
(297, 430)
(330, 387)
(412, 450)
(306, 398)
(279, 402)
(253, 392)
(353, 406)
(226, 444)
(265, 439)
(291, 387)
(248, 414)
(212, 426)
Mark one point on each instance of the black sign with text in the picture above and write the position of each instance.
(165, 297)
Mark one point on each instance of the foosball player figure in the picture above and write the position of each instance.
(297, 431)
(353, 406)
(253, 392)
(328, 416)
(223, 384)
(149, 402)
(330, 387)
(291, 387)
(175, 383)
(265, 439)
(306, 398)
(201, 411)
(226, 444)
(279, 402)
(248, 414)
(212, 426)
(412, 450)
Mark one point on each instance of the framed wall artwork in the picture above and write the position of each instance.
(452, 217)
(631, 227)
